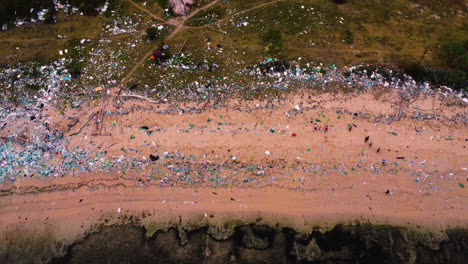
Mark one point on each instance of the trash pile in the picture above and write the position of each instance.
(44, 153)
(106, 64)
(356, 77)
(43, 81)
(123, 25)
(79, 69)
(270, 78)
(40, 15)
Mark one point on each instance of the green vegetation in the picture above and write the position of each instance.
(163, 3)
(151, 33)
(348, 36)
(41, 42)
(88, 7)
(415, 36)
(74, 65)
(455, 56)
(399, 34)
(12, 9)
(208, 16)
(272, 38)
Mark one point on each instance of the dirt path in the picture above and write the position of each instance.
(176, 30)
(243, 11)
(147, 11)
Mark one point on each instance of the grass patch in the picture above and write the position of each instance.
(373, 31)
(207, 16)
(231, 35)
(39, 42)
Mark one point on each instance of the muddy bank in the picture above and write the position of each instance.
(361, 243)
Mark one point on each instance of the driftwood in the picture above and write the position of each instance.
(81, 128)
(139, 97)
(72, 124)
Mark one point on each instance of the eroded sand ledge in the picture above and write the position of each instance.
(316, 179)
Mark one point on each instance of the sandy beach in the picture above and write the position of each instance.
(267, 131)
(311, 160)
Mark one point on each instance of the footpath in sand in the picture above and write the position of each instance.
(308, 160)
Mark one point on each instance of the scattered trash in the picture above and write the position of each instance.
(154, 157)
(39, 155)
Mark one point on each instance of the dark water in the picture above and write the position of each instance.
(263, 244)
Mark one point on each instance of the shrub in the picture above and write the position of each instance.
(272, 36)
(114, 5)
(454, 54)
(163, 3)
(274, 66)
(88, 7)
(50, 16)
(12, 9)
(151, 33)
(455, 57)
(348, 37)
(422, 74)
(273, 40)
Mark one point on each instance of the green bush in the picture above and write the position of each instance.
(274, 41)
(422, 74)
(50, 16)
(207, 16)
(274, 66)
(348, 37)
(74, 65)
(454, 54)
(151, 33)
(114, 5)
(272, 36)
(163, 3)
(455, 57)
(13, 9)
(88, 7)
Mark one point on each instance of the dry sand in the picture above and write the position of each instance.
(267, 161)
